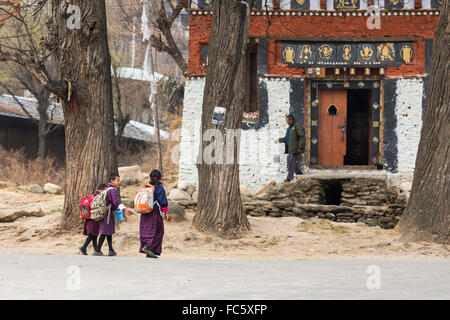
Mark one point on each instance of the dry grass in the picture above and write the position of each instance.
(16, 167)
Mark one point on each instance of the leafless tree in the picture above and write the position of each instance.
(76, 36)
(219, 208)
(427, 215)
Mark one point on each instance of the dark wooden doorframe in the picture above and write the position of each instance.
(376, 138)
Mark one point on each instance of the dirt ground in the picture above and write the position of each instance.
(270, 238)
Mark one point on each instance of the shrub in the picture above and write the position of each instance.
(15, 166)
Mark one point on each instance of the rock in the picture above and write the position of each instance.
(265, 189)
(182, 185)
(127, 202)
(256, 213)
(195, 196)
(176, 212)
(283, 204)
(405, 186)
(133, 172)
(35, 188)
(128, 182)
(191, 189)
(11, 215)
(330, 216)
(177, 194)
(52, 188)
(186, 203)
(245, 192)
(22, 239)
(403, 198)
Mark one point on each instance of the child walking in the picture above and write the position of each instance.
(91, 230)
(108, 224)
(151, 229)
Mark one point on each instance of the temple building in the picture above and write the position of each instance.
(353, 72)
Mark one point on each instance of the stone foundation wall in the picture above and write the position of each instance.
(367, 200)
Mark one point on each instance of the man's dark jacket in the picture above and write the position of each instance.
(296, 139)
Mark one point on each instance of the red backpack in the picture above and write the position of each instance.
(85, 206)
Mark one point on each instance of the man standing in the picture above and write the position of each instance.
(294, 142)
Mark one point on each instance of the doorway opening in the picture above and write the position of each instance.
(333, 192)
(358, 127)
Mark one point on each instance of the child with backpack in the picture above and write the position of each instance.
(151, 228)
(91, 227)
(112, 203)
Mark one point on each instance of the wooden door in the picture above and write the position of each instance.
(332, 127)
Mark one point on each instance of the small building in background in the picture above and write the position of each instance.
(18, 131)
(354, 73)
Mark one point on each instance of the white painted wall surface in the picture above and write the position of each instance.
(258, 148)
(409, 121)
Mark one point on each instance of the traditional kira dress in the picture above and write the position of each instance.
(108, 224)
(91, 227)
(151, 229)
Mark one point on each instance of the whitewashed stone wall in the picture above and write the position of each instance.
(409, 121)
(190, 131)
(262, 159)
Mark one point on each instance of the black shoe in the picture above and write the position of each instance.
(112, 253)
(97, 253)
(149, 252)
(83, 251)
(154, 257)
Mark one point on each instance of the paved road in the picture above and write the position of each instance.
(77, 277)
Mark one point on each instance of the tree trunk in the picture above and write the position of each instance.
(219, 208)
(427, 215)
(43, 104)
(84, 59)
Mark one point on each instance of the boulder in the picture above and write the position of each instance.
(12, 215)
(283, 204)
(35, 188)
(195, 196)
(405, 186)
(191, 189)
(178, 194)
(182, 185)
(176, 212)
(245, 192)
(52, 188)
(129, 203)
(133, 173)
(128, 182)
(262, 193)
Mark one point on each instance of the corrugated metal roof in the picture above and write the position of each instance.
(10, 108)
